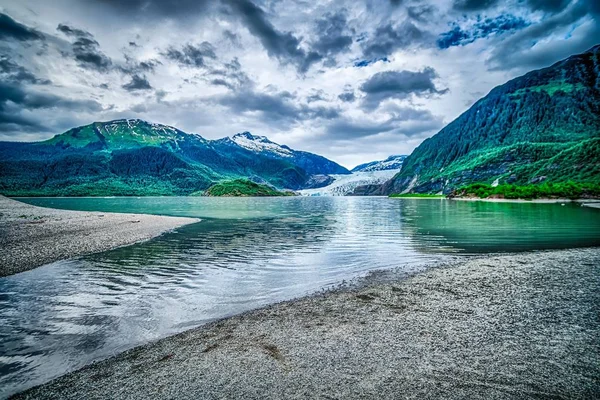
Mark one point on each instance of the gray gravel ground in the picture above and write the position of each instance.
(33, 236)
(498, 327)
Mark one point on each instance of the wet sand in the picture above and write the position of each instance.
(495, 327)
(33, 236)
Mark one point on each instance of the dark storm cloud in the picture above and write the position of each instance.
(73, 32)
(157, 9)
(499, 25)
(137, 83)
(233, 37)
(230, 75)
(366, 63)
(192, 55)
(273, 107)
(551, 6)
(420, 12)
(316, 95)
(12, 72)
(13, 122)
(15, 99)
(148, 65)
(473, 5)
(398, 85)
(334, 35)
(388, 38)
(406, 121)
(522, 50)
(282, 45)
(220, 82)
(29, 99)
(87, 53)
(482, 29)
(277, 107)
(347, 97)
(454, 37)
(11, 29)
(86, 49)
(135, 67)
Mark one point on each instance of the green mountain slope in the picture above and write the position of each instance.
(134, 157)
(541, 127)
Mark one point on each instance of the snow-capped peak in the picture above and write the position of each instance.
(392, 162)
(260, 144)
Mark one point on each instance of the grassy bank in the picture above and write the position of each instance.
(242, 188)
(565, 190)
(417, 196)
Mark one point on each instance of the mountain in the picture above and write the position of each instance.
(540, 127)
(313, 164)
(392, 162)
(135, 157)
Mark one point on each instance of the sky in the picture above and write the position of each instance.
(354, 81)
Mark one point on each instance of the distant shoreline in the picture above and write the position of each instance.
(33, 236)
(484, 327)
(594, 203)
(584, 202)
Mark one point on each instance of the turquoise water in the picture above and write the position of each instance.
(245, 253)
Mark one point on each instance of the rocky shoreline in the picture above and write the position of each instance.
(501, 326)
(33, 236)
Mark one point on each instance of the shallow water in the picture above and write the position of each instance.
(245, 253)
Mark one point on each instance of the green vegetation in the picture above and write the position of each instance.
(541, 127)
(551, 88)
(418, 196)
(568, 190)
(137, 158)
(242, 188)
(118, 134)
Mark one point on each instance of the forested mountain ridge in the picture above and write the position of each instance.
(541, 127)
(135, 157)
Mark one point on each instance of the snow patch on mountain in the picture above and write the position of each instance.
(260, 144)
(392, 162)
(345, 184)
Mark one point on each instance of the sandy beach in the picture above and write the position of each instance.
(33, 236)
(495, 327)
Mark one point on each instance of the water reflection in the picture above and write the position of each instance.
(258, 251)
(481, 227)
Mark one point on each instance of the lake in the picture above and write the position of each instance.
(244, 254)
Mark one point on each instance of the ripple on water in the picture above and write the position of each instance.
(67, 314)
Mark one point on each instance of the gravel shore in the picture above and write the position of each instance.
(497, 327)
(33, 236)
